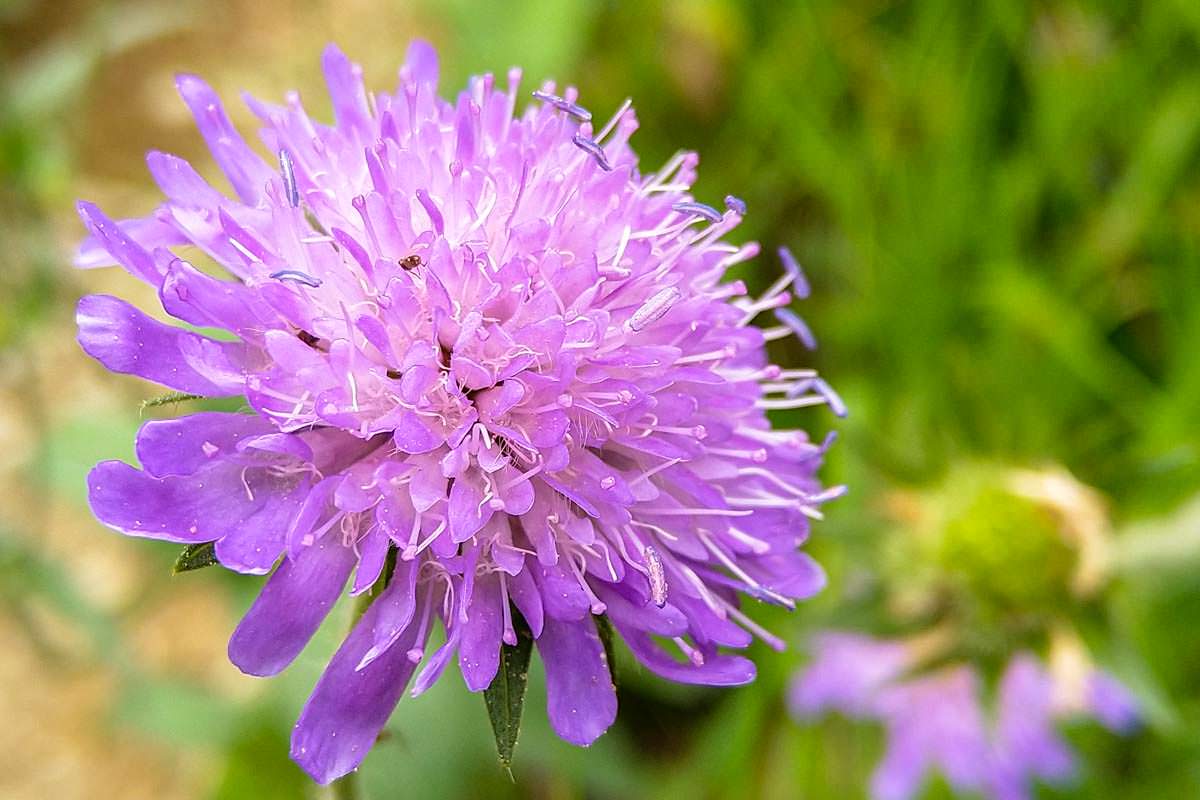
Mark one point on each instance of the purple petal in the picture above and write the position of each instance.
(344, 79)
(412, 436)
(901, 772)
(792, 574)
(1113, 704)
(181, 183)
(247, 172)
(580, 697)
(437, 662)
(290, 608)
(311, 511)
(563, 597)
(396, 606)
(934, 721)
(113, 238)
(717, 670)
(149, 232)
(421, 63)
(1026, 740)
(202, 507)
(372, 550)
(468, 513)
(289, 445)
(665, 621)
(183, 445)
(125, 340)
(846, 674)
(479, 648)
(350, 705)
(527, 599)
(190, 295)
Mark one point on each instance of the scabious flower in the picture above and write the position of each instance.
(938, 720)
(495, 379)
(995, 561)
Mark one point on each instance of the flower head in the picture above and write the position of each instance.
(938, 719)
(495, 379)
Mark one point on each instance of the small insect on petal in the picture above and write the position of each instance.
(296, 276)
(658, 578)
(654, 308)
(411, 262)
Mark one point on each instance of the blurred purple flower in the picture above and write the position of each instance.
(1026, 743)
(847, 674)
(936, 720)
(484, 343)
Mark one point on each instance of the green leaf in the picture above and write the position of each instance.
(195, 556)
(605, 629)
(505, 696)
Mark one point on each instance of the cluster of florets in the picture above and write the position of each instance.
(496, 379)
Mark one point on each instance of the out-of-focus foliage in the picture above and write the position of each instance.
(998, 204)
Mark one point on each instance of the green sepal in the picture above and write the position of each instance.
(170, 398)
(607, 635)
(195, 556)
(505, 696)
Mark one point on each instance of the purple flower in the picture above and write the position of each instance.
(937, 720)
(1111, 703)
(1027, 745)
(933, 722)
(846, 674)
(483, 348)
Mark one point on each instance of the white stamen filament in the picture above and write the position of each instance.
(794, 402)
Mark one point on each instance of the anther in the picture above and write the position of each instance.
(698, 209)
(797, 326)
(289, 178)
(296, 276)
(792, 267)
(831, 397)
(577, 111)
(594, 150)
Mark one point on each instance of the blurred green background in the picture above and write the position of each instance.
(998, 204)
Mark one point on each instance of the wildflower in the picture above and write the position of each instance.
(990, 570)
(938, 720)
(496, 383)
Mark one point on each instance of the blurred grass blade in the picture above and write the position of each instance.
(195, 556)
(505, 697)
(1163, 545)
